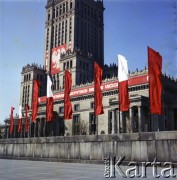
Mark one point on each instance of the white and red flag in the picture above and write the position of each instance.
(11, 120)
(155, 81)
(49, 107)
(124, 102)
(20, 119)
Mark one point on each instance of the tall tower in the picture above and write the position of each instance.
(29, 74)
(74, 38)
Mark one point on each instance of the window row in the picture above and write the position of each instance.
(138, 88)
(40, 77)
(84, 65)
(68, 65)
(80, 126)
(84, 78)
(61, 33)
(27, 77)
(76, 107)
(25, 95)
(85, 10)
(60, 9)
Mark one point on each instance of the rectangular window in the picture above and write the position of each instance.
(61, 109)
(92, 105)
(71, 4)
(92, 123)
(76, 107)
(80, 78)
(68, 65)
(54, 12)
(63, 8)
(60, 9)
(109, 122)
(71, 64)
(57, 12)
(64, 66)
(87, 66)
(41, 78)
(63, 82)
(84, 78)
(66, 6)
(48, 15)
(76, 127)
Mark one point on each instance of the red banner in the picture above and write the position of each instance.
(19, 125)
(98, 106)
(35, 99)
(11, 120)
(67, 90)
(56, 56)
(155, 81)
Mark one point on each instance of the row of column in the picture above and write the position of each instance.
(36, 129)
(119, 120)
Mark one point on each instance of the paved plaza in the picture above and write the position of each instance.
(32, 170)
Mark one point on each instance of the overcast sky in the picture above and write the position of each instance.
(130, 26)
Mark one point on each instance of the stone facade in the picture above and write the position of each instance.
(84, 122)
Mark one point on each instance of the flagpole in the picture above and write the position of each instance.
(52, 127)
(119, 111)
(148, 77)
(24, 135)
(163, 86)
(96, 116)
(119, 118)
(44, 128)
(30, 128)
(150, 115)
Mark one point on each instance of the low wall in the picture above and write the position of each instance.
(135, 147)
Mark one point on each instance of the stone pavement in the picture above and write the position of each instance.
(34, 170)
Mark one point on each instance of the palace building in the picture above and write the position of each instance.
(74, 38)
(73, 25)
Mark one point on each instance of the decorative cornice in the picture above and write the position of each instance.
(32, 67)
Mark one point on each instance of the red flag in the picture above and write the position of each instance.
(35, 99)
(155, 81)
(20, 119)
(19, 125)
(49, 107)
(124, 102)
(98, 106)
(26, 119)
(67, 90)
(11, 120)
